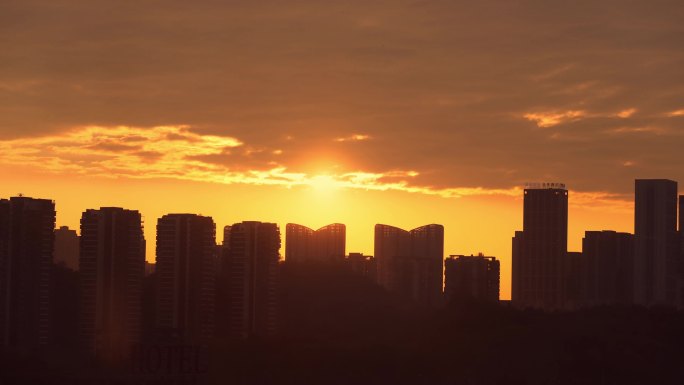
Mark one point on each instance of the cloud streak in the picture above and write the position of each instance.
(176, 152)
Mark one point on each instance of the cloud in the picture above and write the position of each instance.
(455, 92)
(550, 119)
(353, 138)
(178, 153)
(626, 113)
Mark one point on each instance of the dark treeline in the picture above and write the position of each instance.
(340, 328)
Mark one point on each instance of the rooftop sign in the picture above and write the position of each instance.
(544, 185)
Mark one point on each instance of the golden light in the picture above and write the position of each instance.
(324, 184)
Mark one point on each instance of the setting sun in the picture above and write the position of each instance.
(324, 184)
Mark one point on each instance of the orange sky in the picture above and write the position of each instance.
(472, 224)
(394, 111)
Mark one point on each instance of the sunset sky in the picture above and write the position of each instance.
(359, 112)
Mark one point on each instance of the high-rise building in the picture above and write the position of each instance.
(656, 246)
(185, 268)
(392, 248)
(578, 280)
(473, 277)
(539, 251)
(66, 247)
(112, 268)
(410, 263)
(680, 292)
(324, 244)
(516, 257)
(252, 278)
(681, 214)
(609, 257)
(26, 245)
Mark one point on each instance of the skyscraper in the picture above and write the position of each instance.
(26, 246)
(680, 299)
(66, 247)
(610, 270)
(112, 265)
(539, 251)
(325, 244)
(410, 263)
(473, 277)
(185, 267)
(252, 278)
(392, 247)
(657, 250)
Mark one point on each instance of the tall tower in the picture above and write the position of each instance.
(26, 244)
(186, 248)
(410, 263)
(299, 243)
(252, 276)
(539, 252)
(657, 254)
(427, 270)
(112, 267)
(392, 249)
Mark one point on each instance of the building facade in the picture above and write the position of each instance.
(609, 256)
(363, 265)
(251, 273)
(540, 249)
(474, 277)
(185, 274)
(66, 247)
(112, 268)
(410, 263)
(657, 250)
(325, 244)
(26, 253)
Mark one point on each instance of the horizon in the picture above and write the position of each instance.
(362, 237)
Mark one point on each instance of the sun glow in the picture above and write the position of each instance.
(324, 184)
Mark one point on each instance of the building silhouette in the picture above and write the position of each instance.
(474, 277)
(185, 268)
(540, 249)
(363, 265)
(150, 268)
(410, 263)
(66, 247)
(112, 267)
(26, 251)
(680, 292)
(325, 244)
(251, 276)
(657, 250)
(609, 256)
(578, 280)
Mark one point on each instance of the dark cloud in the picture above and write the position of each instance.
(441, 87)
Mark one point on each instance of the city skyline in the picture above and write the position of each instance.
(414, 191)
(453, 240)
(392, 112)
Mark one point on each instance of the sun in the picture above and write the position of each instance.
(324, 184)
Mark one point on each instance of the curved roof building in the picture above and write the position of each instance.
(324, 244)
(410, 263)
